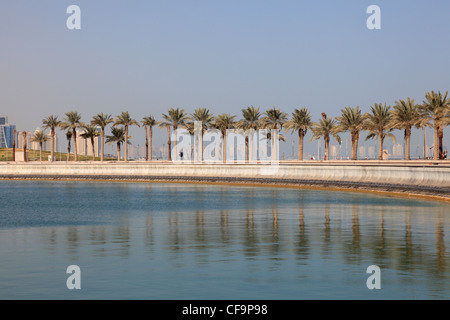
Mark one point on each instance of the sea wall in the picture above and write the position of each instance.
(430, 175)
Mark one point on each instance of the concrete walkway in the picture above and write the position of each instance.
(412, 178)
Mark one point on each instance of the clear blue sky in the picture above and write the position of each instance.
(147, 56)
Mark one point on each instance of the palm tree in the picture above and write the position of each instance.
(190, 127)
(125, 120)
(102, 120)
(274, 119)
(73, 121)
(69, 138)
(251, 121)
(117, 136)
(324, 128)
(24, 138)
(90, 132)
(352, 120)
(423, 122)
(207, 120)
(377, 123)
(148, 122)
(404, 115)
(51, 122)
(280, 136)
(435, 108)
(223, 122)
(39, 137)
(301, 122)
(175, 118)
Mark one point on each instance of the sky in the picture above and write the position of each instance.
(145, 57)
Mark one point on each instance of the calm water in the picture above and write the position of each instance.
(176, 241)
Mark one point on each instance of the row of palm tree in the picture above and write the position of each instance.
(379, 123)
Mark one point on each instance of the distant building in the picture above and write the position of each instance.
(84, 146)
(333, 151)
(397, 151)
(362, 152)
(371, 152)
(20, 142)
(6, 133)
(48, 145)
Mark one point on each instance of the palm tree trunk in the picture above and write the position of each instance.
(14, 146)
(40, 151)
(246, 148)
(24, 135)
(146, 144)
(175, 151)
(408, 144)
(250, 146)
(327, 148)
(75, 149)
(441, 137)
(102, 134)
(354, 149)
(224, 147)
(150, 134)
(93, 149)
(53, 144)
(380, 145)
(201, 147)
(118, 151)
(68, 150)
(424, 142)
(125, 153)
(436, 141)
(169, 144)
(301, 135)
(274, 144)
(355, 139)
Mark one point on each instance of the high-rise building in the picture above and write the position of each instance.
(84, 146)
(20, 142)
(6, 133)
(48, 144)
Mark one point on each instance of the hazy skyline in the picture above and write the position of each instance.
(148, 56)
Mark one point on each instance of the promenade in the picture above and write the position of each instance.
(423, 178)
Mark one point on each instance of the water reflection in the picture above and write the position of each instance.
(302, 246)
(440, 245)
(356, 234)
(98, 240)
(327, 232)
(401, 247)
(149, 234)
(310, 231)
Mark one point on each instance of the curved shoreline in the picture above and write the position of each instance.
(385, 189)
(413, 180)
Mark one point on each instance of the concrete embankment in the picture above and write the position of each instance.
(418, 178)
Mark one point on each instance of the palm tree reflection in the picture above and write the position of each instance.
(440, 245)
(302, 247)
(327, 234)
(355, 227)
(224, 225)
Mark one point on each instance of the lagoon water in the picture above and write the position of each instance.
(181, 241)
